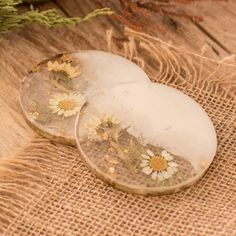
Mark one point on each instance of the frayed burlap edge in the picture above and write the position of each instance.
(166, 63)
(44, 165)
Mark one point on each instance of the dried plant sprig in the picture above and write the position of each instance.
(108, 128)
(148, 14)
(11, 19)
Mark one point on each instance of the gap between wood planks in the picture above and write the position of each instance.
(213, 39)
(219, 22)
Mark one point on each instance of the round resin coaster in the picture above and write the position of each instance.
(54, 91)
(145, 138)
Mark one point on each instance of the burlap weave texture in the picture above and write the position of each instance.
(47, 190)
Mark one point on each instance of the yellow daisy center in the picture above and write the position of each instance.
(67, 105)
(158, 163)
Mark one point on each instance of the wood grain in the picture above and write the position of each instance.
(21, 50)
(219, 23)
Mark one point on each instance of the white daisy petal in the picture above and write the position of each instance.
(77, 109)
(171, 170)
(54, 107)
(55, 111)
(166, 175)
(167, 155)
(69, 113)
(174, 169)
(145, 161)
(145, 156)
(150, 153)
(53, 103)
(160, 177)
(172, 164)
(164, 153)
(144, 164)
(169, 158)
(60, 112)
(147, 170)
(154, 175)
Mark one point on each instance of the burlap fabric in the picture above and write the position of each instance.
(47, 190)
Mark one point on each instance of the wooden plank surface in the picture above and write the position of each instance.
(219, 23)
(186, 33)
(21, 50)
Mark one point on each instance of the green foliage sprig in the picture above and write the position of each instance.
(11, 19)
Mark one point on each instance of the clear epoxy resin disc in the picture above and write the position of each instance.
(53, 93)
(145, 138)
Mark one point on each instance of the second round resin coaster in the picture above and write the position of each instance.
(145, 138)
(53, 93)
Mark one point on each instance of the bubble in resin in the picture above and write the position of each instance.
(145, 138)
(54, 91)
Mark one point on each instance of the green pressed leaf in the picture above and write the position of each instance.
(11, 19)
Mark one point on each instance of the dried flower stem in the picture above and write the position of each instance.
(122, 155)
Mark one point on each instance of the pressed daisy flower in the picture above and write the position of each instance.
(63, 69)
(160, 167)
(66, 104)
(99, 129)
